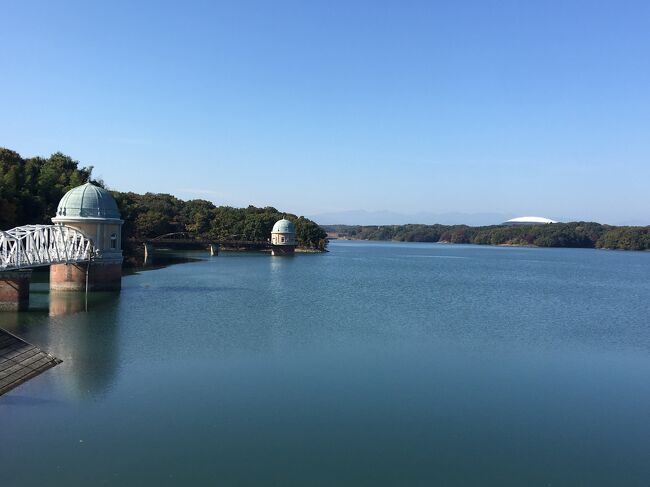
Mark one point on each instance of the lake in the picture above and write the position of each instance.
(374, 364)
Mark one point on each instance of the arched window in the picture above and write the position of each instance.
(113, 241)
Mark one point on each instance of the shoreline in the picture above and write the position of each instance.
(446, 242)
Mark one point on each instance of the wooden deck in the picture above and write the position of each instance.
(20, 361)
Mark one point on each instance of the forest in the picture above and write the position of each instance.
(574, 234)
(30, 190)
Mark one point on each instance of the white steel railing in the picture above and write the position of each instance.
(42, 245)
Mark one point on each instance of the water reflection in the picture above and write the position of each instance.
(86, 341)
(66, 303)
(276, 278)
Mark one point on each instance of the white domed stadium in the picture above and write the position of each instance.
(529, 220)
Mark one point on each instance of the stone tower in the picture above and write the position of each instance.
(93, 211)
(283, 237)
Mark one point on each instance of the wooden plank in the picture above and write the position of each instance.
(23, 356)
(32, 361)
(10, 370)
(20, 361)
(41, 362)
(16, 352)
(10, 348)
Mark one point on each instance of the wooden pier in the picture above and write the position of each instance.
(20, 361)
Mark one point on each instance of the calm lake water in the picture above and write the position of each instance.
(374, 364)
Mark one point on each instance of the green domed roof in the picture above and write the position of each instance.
(88, 201)
(283, 226)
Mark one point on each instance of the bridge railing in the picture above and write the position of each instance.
(41, 245)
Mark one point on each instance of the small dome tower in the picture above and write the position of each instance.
(93, 211)
(283, 237)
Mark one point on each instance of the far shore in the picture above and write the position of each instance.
(447, 242)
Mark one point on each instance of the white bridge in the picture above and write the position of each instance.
(41, 245)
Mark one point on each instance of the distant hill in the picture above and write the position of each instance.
(385, 217)
(574, 234)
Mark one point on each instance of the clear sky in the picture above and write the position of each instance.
(315, 107)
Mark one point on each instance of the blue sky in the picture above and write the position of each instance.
(505, 107)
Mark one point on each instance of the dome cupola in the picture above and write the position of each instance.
(93, 211)
(284, 226)
(87, 201)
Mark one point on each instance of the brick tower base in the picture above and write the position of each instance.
(14, 290)
(282, 249)
(72, 277)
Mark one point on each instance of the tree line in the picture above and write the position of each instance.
(150, 215)
(31, 188)
(574, 234)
